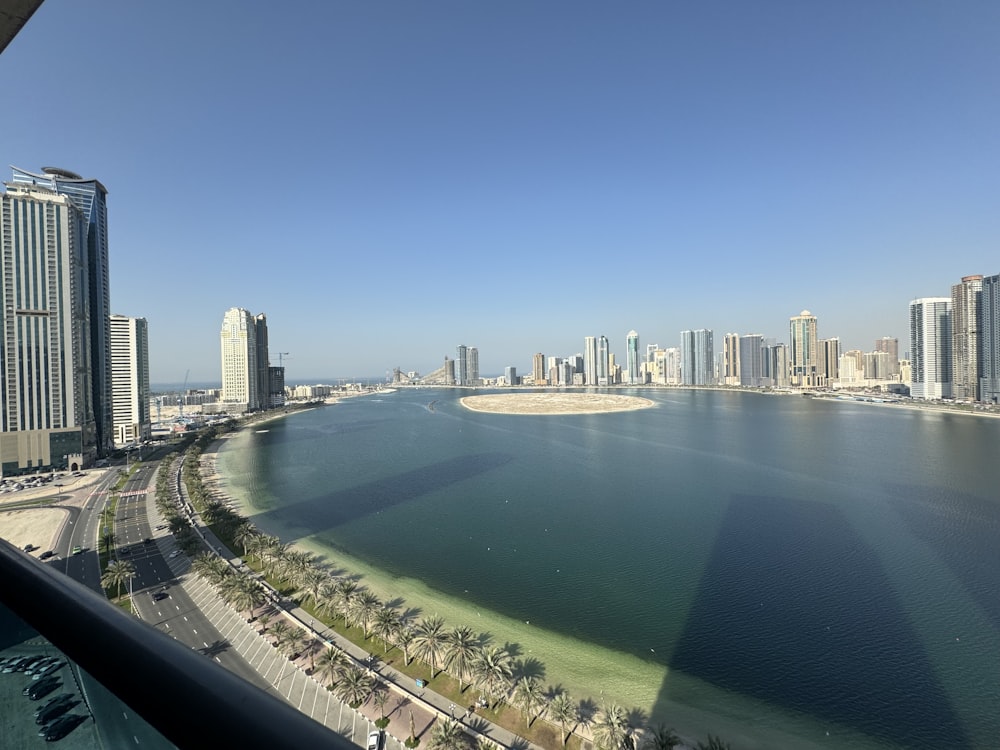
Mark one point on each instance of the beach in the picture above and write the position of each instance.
(554, 402)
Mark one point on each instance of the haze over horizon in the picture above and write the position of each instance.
(388, 181)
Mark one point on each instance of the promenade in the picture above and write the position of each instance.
(290, 679)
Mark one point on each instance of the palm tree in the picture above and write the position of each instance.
(661, 738)
(363, 610)
(612, 729)
(118, 573)
(244, 533)
(460, 653)
(380, 697)
(210, 567)
(564, 710)
(278, 631)
(386, 624)
(291, 641)
(404, 639)
(313, 585)
(293, 564)
(529, 697)
(429, 638)
(714, 743)
(492, 671)
(331, 663)
(256, 546)
(447, 735)
(346, 590)
(355, 686)
(241, 592)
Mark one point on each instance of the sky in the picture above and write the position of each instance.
(388, 180)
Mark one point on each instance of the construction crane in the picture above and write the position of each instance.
(280, 360)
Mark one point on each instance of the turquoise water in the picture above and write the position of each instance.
(781, 570)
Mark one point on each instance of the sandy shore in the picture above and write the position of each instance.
(549, 403)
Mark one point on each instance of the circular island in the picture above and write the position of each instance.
(544, 403)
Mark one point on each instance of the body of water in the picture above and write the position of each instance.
(782, 571)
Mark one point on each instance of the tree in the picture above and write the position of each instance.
(346, 590)
(210, 567)
(386, 625)
(243, 535)
(363, 610)
(331, 663)
(612, 729)
(355, 686)
(278, 631)
(291, 641)
(404, 639)
(564, 710)
(529, 698)
(447, 735)
(429, 640)
(492, 671)
(461, 647)
(380, 697)
(714, 743)
(118, 573)
(661, 738)
(241, 592)
(313, 585)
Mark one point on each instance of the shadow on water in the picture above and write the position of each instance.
(318, 514)
(939, 522)
(795, 610)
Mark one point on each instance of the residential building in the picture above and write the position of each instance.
(603, 358)
(462, 365)
(240, 373)
(966, 316)
(751, 360)
(632, 358)
(590, 360)
(829, 361)
(803, 350)
(510, 375)
(930, 348)
(989, 340)
(57, 406)
(130, 379)
(538, 368)
(890, 345)
(730, 359)
(697, 357)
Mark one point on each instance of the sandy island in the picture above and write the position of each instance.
(554, 403)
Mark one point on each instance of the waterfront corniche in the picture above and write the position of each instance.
(784, 572)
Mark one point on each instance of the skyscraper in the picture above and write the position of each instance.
(56, 401)
(989, 339)
(829, 360)
(603, 357)
(462, 365)
(890, 346)
(966, 314)
(632, 358)
(697, 355)
(590, 360)
(130, 379)
(751, 355)
(263, 362)
(731, 359)
(538, 368)
(239, 359)
(930, 348)
(473, 366)
(802, 351)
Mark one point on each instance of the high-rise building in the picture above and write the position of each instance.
(966, 315)
(603, 361)
(449, 372)
(731, 359)
(538, 369)
(803, 349)
(462, 365)
(130, 379)
(632, 359)
(263, 363)
(590, 360)
(989, 340)
(57, 398)
(829, 360)
(240, 374)
(930, 348)
(510, 375)
(473, 366)
(697, 357)
(651, 350)
(890, 346)
(751, 355)
(777, 365)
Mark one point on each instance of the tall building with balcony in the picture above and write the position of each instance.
(730, 359)
(130, 379)
(697, 357)
(803, 349)
(603, 361)
(57, 398)
(633, 359)
(989, 340)
(829, 360)
(751, 360)
(538, 368)
(966, 316)
(240, 373)
(590, 360)
(930, 348)
(890, 346)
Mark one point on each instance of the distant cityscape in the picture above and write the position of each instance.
(76, 376)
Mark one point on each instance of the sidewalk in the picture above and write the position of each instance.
(425, 706)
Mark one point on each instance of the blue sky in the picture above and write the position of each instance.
(387, 180)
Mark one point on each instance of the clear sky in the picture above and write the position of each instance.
(388, 180)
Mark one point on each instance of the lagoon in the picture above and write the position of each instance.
(782, 571)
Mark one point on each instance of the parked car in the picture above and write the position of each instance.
(55, 708)
(375, 740)
(46, 555)
(38, 690)
(61, 727)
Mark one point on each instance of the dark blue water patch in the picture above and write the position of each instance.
(795, 610)
(324, 512)
(940, 517)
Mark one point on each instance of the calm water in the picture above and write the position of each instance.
(784, 571)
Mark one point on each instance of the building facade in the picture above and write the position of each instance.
(730, 359)
(633, 359)
(240, 373)
(966, 316)
(538, 368)
(989, 340)
(697, 357)
(603, 361)
(56, 357)
(751, 360)
(930, 348)
(803, 352)
(130, 379)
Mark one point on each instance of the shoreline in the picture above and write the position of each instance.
(554, 403)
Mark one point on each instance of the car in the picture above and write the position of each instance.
(77, 550)
(375, 740)
(30, 548)
(51, 668)
(28, 662)
(41, 664)
(46, 555)
(125, 551)
(147, 540)
(63, 726)
(55, 708)
(38, 690)
(160, 596)
(174, 553)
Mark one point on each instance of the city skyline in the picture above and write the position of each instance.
(390, 181)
